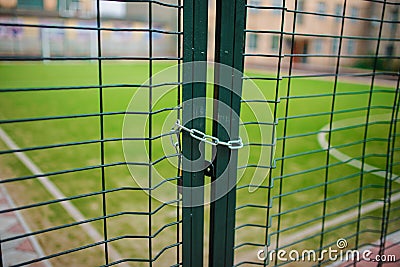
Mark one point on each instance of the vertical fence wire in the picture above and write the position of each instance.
(382, 17)
(284, 133)
(178, 117)
(275, 115)
(150, 133)
(101, 120)
(332, 111)
(389, 177)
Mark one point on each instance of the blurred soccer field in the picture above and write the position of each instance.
(300, 186)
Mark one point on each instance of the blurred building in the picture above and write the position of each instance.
(317, 27)
(23, 28)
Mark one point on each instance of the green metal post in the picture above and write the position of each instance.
(229, 48)
(195, 18)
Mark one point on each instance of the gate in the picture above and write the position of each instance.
(199, 133)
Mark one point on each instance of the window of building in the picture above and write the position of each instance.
(275, 42)
(67, 3)
(350, 47)
(375, 22)
(318, 46)
(394, 17)
(321, 8)
(335, 46)
(394, 14)
(300, 7)
(390, 50)
(375, 18)
(354, 13)
(303, 49)
(338, 11)
(252, 41)
(277, 3)
(112, 9)
(68, 8)
(252, 3)
(36, 4)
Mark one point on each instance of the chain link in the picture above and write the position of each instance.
(214, 141)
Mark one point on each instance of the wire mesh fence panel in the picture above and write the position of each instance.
(101, 118)
(83, 75)
(333, 91)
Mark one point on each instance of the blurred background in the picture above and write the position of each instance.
(125, 31)
(72, 35)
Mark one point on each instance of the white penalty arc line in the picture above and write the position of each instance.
(348, 160)
(313, 229)
(57, 194)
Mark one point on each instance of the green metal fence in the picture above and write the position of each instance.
(328, 203)
(285, 144)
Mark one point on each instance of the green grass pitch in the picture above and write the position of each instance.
(300, 192)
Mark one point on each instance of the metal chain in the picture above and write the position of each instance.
(214, 141)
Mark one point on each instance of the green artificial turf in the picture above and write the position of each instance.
(298, 191)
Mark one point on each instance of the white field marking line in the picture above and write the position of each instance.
(338, 220)
(348, 160)
(352, 162)
(57, 194)
(36, 246)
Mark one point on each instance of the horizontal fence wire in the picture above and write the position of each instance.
(61, 145)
